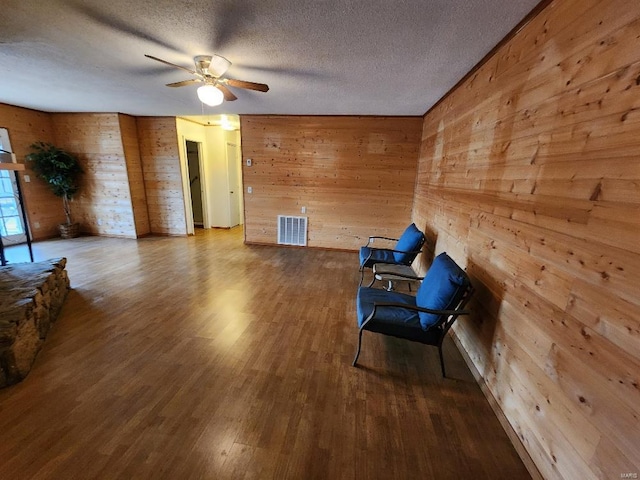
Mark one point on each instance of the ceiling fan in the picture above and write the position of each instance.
(209, 70)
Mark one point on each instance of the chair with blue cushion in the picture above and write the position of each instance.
(425, 318)
(404, 252)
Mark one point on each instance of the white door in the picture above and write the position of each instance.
(234, 184)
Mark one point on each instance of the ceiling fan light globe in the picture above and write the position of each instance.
(210, 95)
(219, 65)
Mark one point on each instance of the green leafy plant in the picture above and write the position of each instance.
(59, 169)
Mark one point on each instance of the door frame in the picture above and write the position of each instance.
(238, 175)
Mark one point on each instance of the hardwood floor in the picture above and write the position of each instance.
(204, 358)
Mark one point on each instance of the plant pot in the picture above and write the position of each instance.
(69, 230)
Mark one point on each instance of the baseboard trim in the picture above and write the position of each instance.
(506, 426)
(330, 249)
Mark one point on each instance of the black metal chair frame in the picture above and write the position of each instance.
(414, 254)
(427, 337)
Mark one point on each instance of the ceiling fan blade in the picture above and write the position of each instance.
(170, 64)
(228, 94)
(260, 87)
(184, 83)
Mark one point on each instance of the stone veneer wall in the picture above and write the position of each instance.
(31, 296)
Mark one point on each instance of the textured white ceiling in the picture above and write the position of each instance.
(320, 57)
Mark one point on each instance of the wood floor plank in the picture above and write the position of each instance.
(202, 357)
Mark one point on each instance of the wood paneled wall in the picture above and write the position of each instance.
(26, 127)
(129, 134)
(103, 205)
(529, 176)
(113, 198)
(158, 141)
(354, 175)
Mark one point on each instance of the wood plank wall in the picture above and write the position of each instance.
(158, 139)
(129, 133)
(103, 205)
(354, 175)
(112, 200)
(529, 176)
(26, 127)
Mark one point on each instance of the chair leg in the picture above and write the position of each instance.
(441, 361)
(355, 360)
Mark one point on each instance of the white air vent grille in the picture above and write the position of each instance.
(292, 230)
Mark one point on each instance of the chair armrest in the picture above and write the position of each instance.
(396, 275)
(410, 307)
(389, 250)
(399, 251)
(383, 238)
(419, 309)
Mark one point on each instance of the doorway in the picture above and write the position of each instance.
(235, 188)
(195, 182)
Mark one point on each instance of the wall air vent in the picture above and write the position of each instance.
(292, 230)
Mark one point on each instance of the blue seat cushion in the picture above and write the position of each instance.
(441, 288)
(410, 241)
(378, 255)
(388, 315)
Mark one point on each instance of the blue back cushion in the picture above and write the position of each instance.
(410, 241)
(440, 287)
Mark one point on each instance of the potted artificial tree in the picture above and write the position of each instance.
(61, 171)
